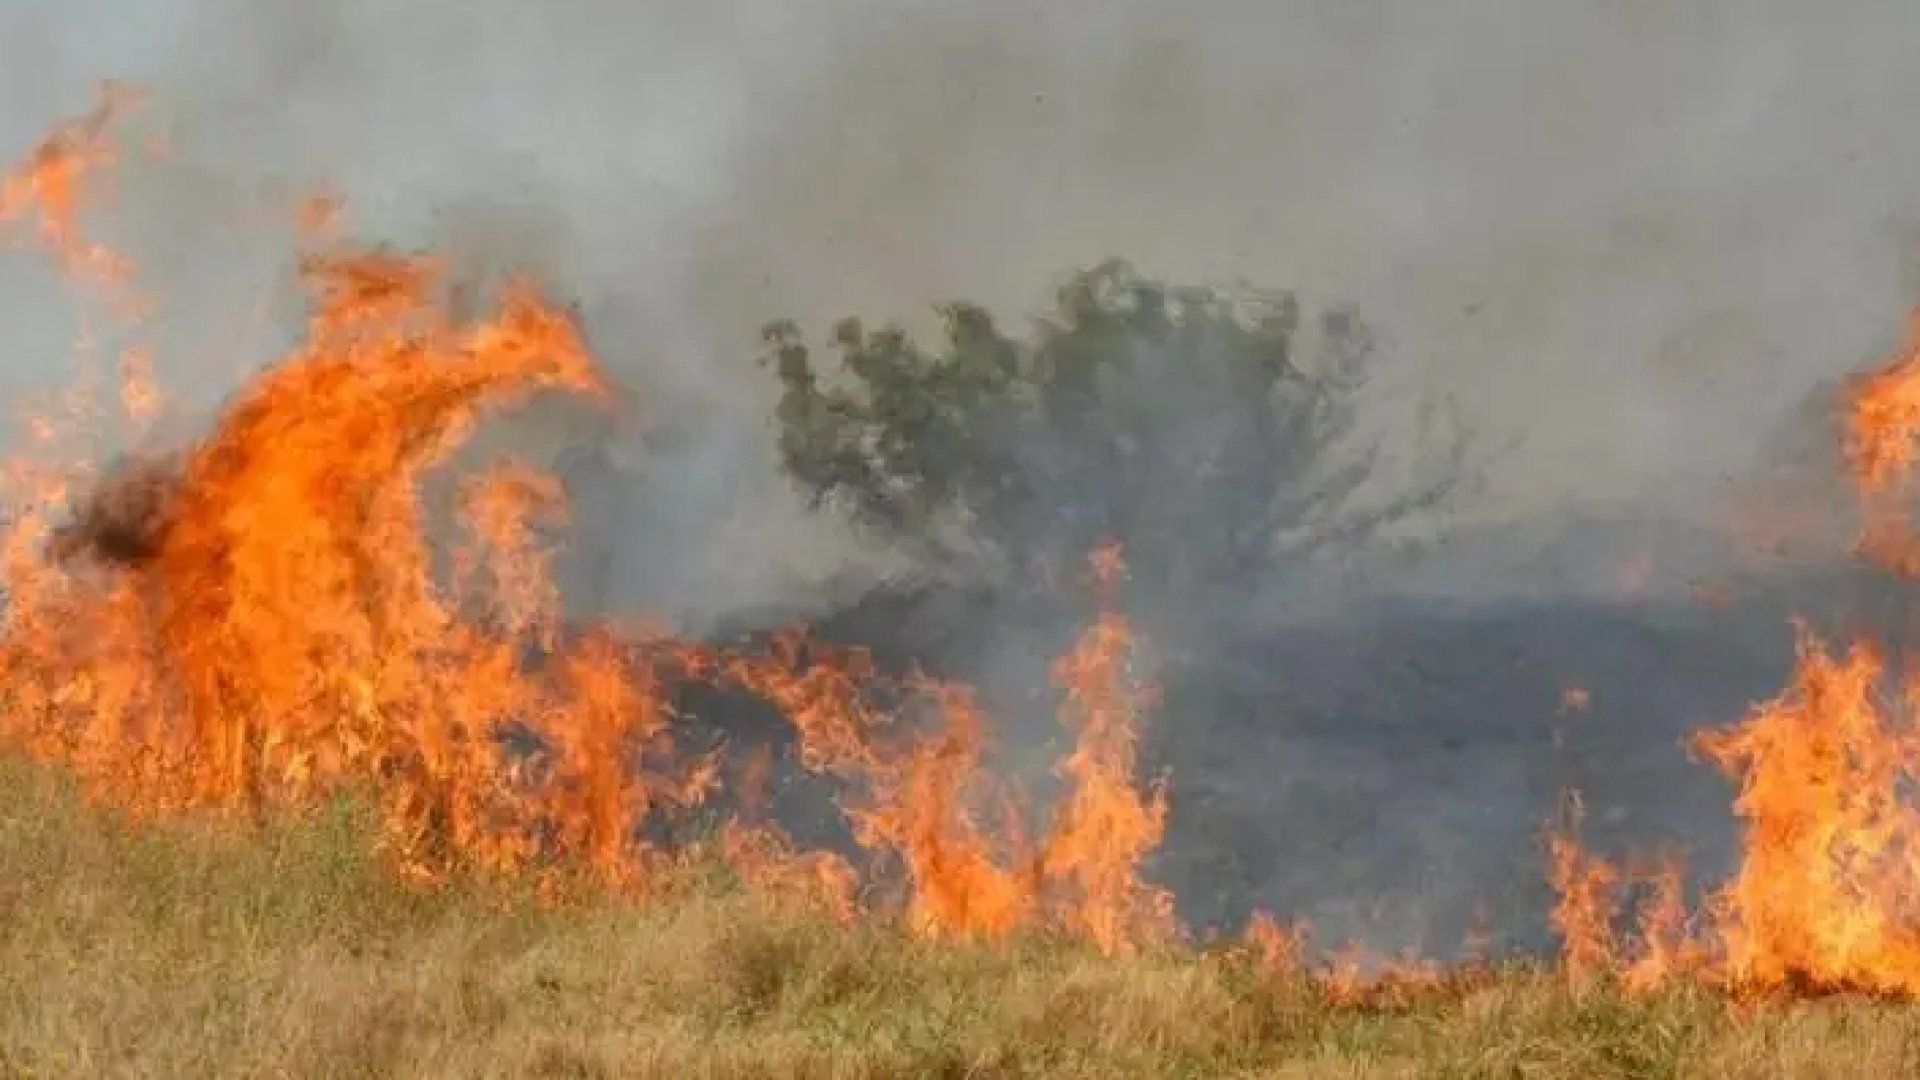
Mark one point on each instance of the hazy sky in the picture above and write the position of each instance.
(1627, 231)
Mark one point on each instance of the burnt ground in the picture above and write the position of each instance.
(1386, 771)
(1388, 777)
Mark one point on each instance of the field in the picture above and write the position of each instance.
(187, 949)
(296, 780)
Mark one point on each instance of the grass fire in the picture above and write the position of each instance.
(297, 782)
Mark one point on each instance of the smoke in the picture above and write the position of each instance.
(1628, 239)
(1632, 233)
(1628, 235)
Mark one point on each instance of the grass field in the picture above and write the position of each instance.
(189, 949)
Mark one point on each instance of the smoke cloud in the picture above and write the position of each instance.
(1629, 239)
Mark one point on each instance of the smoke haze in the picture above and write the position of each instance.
(1628, 238)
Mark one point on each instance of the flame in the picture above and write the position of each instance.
(1277, 949)
(1881, 440)
(1882, 428)
(61, 178)
(1106, 826)
(924, 788)
(920, 788)
(1828, 876)
(1667, 937)
(813, 880)
(261, 620)
(1826, 893)
(255, 622)
(1585, 887)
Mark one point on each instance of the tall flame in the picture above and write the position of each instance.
(261, 619)
(1106, 827)
(1826, 894)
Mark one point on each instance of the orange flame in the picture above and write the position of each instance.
(1106, 826)
(924, 788)
(1826, 895)
(1583, 913)
(256, 623)
(1828, 878)
(58, 181)
(260, 620)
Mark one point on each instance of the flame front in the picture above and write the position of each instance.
(260, 620)
(1825, 896)
(259, 625)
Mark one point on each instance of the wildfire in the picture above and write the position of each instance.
(1826, 893)
(261, 619)
(54, 187)
(925, 791)
(1105, 827)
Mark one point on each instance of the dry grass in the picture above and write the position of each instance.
(188, 950)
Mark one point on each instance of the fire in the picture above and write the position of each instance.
(1828, 881)
(1882, 429)
(1106, 827)
(1883, 421)
(57, 183)
(1583, 914)
(269, 607)
(1668, 941)
(925, 789)
(1826, 894)
(263, 619)
(1663, 945)
(920, 787)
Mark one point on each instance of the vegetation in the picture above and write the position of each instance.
(1186, 422)
(276, 600)
(185, 949)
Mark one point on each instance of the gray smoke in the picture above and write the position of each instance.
(1630, 239)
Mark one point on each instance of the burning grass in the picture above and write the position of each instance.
(380, 807)
(261, 620)
(197, 947)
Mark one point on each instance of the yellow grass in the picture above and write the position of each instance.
(193, 950)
